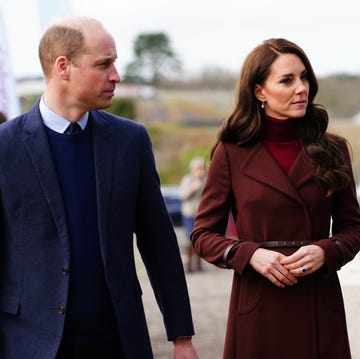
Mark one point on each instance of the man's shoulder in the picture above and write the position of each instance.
(12, 125)
(114, 122)
(19, 122)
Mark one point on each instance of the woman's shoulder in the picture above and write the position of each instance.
(237, 146)
(235, 152)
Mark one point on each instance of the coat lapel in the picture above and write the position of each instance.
(37, 145)
(261, 166)
(302, 170)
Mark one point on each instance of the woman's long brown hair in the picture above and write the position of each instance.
(244, 125)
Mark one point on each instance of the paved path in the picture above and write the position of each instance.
(209, 292)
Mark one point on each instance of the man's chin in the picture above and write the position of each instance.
(102, 105)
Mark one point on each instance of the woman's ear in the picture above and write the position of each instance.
(259, 93)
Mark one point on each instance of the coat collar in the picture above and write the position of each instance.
(261, 166)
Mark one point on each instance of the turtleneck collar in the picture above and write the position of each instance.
(275, 130)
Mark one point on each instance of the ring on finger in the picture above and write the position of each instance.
(303, 270)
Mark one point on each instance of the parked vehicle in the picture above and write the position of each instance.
(172, 199)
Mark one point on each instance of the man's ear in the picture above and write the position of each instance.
(62, 67)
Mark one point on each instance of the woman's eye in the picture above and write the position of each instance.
(304, 77)
(286, 81)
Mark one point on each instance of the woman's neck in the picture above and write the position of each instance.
(276, 130)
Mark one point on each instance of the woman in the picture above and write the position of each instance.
(288, 184)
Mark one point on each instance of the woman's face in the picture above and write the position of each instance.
(286, 89)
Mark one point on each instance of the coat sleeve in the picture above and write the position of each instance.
(344, 242)
(159, 249)
(211, 222)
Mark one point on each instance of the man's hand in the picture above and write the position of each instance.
(183, 349)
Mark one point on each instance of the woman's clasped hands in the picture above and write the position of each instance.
(283, 270)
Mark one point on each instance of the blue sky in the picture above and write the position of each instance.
(203, 33)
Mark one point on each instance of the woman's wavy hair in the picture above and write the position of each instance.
(244, 125)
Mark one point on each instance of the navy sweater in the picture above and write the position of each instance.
(89, 313)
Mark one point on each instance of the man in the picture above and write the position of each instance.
(70, 201)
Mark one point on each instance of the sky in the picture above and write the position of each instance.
(203, 33)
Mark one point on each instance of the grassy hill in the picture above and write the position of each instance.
(183, 124)
(340, 95)
(351, 132)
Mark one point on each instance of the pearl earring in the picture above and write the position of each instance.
(262, 104)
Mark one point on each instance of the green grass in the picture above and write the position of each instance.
(175, 145)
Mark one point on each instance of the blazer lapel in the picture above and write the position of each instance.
(104, 164)
(36, 142)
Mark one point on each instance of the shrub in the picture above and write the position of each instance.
(123, 107)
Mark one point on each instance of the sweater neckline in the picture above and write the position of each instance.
(276, 130)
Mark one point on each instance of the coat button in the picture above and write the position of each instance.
(65, 271)
(61, 310)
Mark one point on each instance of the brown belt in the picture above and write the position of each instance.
(274, 244)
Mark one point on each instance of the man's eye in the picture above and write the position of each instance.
(105, 64)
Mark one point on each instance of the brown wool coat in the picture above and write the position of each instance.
(307, 320)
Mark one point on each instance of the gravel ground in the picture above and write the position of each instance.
(209, 292)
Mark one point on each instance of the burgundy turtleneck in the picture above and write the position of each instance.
(281, 140)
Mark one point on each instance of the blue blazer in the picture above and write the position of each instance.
(34, 239)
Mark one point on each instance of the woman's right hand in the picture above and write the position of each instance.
(267, 263)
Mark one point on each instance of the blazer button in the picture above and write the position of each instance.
(65, 271)
(61, 310)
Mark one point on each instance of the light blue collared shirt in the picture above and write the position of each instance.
(57, 123)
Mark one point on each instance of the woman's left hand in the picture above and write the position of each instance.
(305, 260)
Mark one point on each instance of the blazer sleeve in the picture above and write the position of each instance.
(157, 243)
(211, 222)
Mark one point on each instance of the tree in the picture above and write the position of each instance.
(153, 58)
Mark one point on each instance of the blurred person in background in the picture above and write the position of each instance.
(191, 186)
(76, 184)
(289, 186)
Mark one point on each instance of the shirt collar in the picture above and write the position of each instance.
(55, 122)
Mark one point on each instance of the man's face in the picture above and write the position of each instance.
(93, 78)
